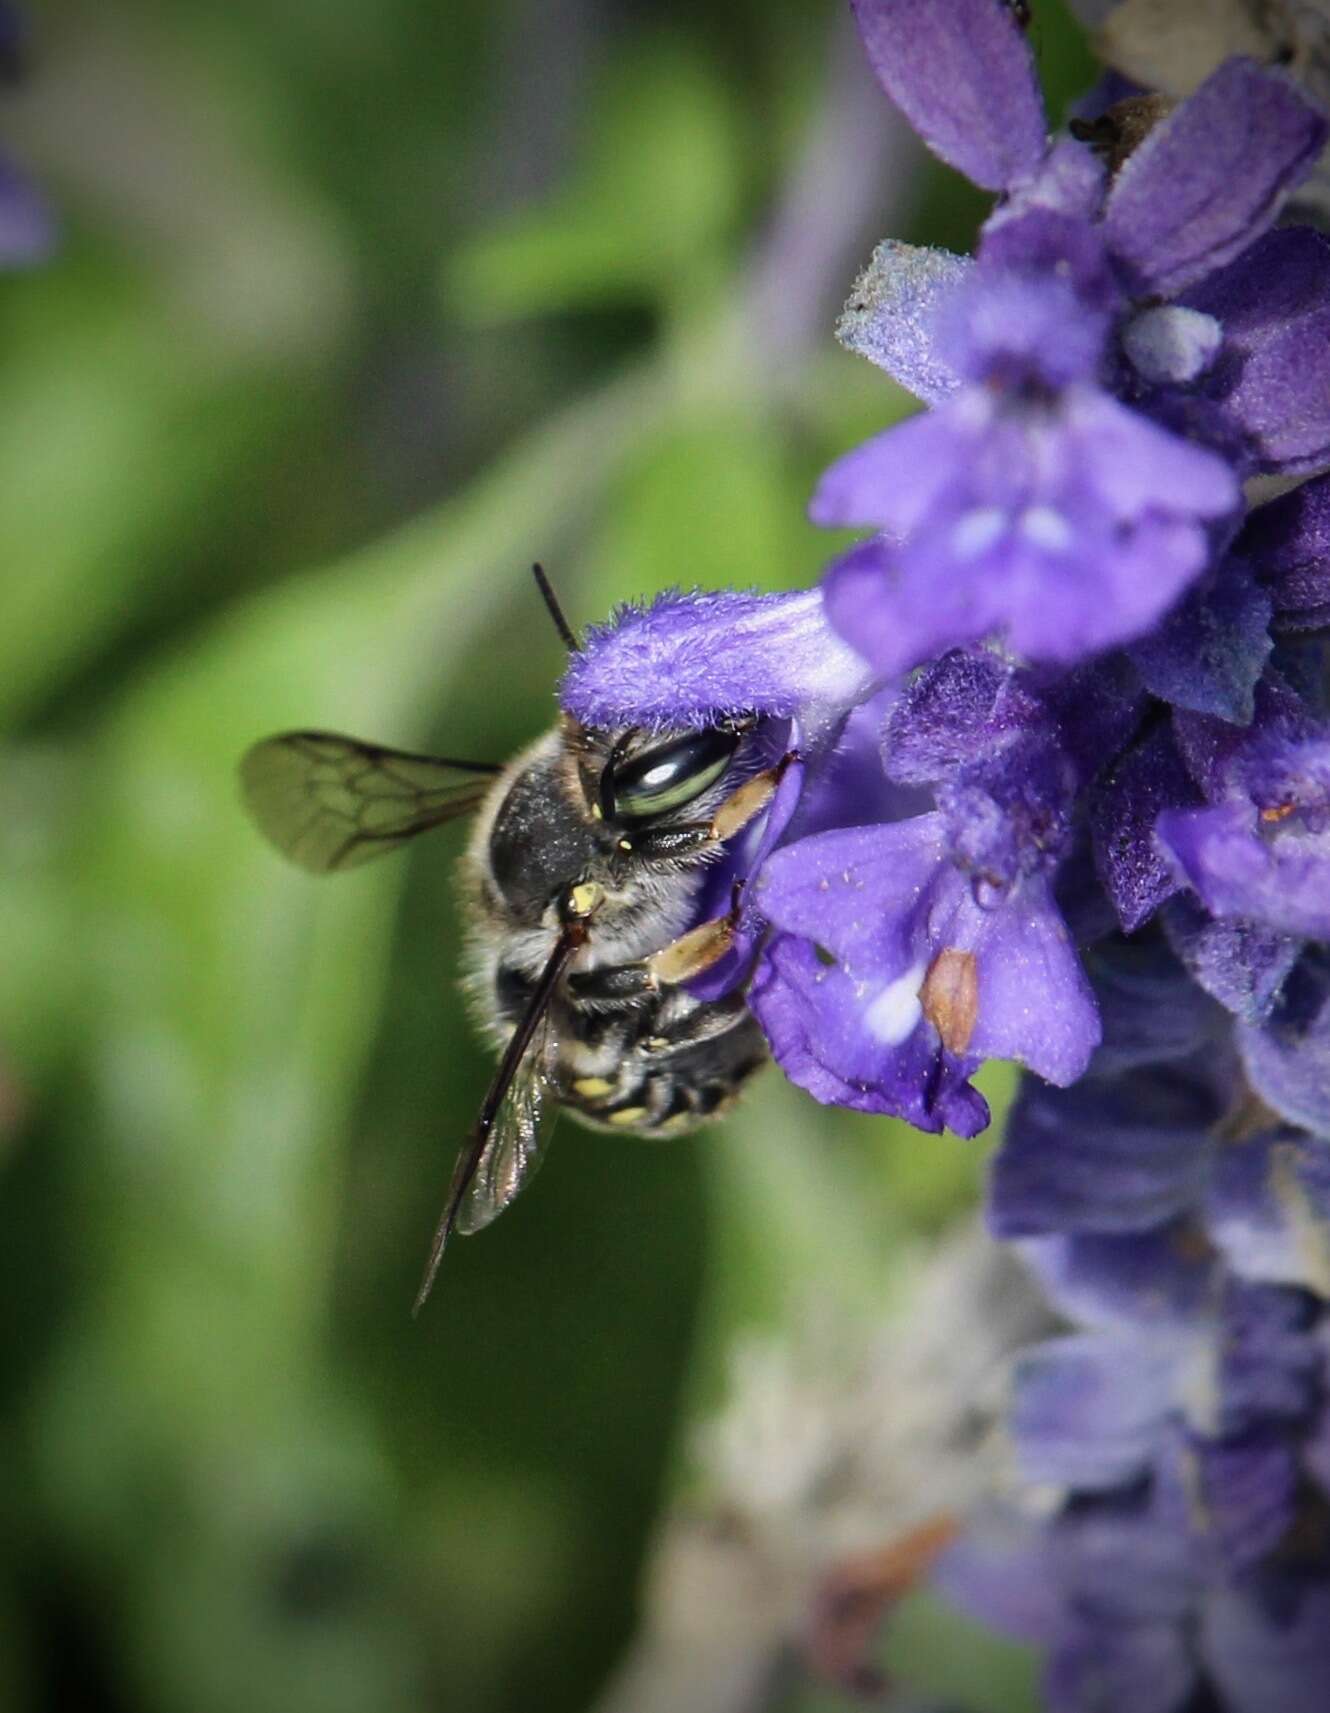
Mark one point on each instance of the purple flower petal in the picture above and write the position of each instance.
(1109, 1155)
(1279, 881)
(1268, 1209)
(1288, 541)
(1042, 243)
(1070, 180)
(687, 659)
(1123, 812)
(1249, 1488)
(1270, 1361)
(1162, 1277)
(1139, 465)
(945, 714)
(1086, 1410)
(892, 313)
(1003, 1572)
(1030, 532)
(1288, 1058)
(1241, 964)
(1268, 1656)
(856, 891)
(824, 1040)
(886, 902)
(1209, 652)
(1100, 1664)
(1208, 179)
(891, 482)
(1272, 382)
(964, 76)
(1151, 1012)
(1035, 1004)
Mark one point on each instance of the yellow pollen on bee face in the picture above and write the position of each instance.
(585, 898)
(592, 1088)
(628, 1115)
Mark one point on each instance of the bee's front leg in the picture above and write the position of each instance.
(688, 838)
(690, 955)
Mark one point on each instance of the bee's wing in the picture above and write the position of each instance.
(517, 1141)
(330, 802)
(509, 1137)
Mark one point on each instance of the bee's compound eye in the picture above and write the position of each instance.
(666, 778)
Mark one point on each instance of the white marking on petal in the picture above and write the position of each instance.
(891, 1018)
(1172, 343)
(978, 530)
(1046, 528)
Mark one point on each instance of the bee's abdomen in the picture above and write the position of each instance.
(656, 1089)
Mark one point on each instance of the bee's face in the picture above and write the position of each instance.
(576, 806)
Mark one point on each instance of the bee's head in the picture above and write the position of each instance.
(631, 776)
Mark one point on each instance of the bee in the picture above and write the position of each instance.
(584, 885)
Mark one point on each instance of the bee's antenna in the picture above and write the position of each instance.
(551, 601)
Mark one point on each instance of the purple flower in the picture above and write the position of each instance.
(689, 659)
(909, 951)
(1260, 851)
(1183, 1461)
(1121, 878)
(1032, 503)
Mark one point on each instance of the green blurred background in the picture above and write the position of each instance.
(357, 310)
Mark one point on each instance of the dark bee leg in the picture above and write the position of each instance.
(688, 956)
(704, 1023)
(667, 844)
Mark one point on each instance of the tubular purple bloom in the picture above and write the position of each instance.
(1261, 853)
(964, 77)
(1129, 1281)
(688, 659)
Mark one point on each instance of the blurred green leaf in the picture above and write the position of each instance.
(650, 216)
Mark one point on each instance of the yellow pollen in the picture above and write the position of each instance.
(592, 1088)
(585, 898)
(628, 1115)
